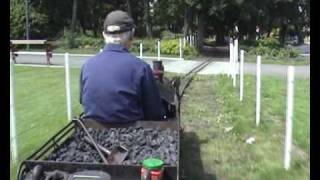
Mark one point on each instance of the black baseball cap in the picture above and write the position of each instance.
(118, 21)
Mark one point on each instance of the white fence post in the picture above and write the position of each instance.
(258, 88)
(236, 53)
(180, 48)
(193, 40)
(234, 76)
(289, 114)
(68, 90)
(184, 41)
(158, 50)
(235, 61)
(13, 137)
(141, 49)
(230, 58)
(190, 40)
(241, 74)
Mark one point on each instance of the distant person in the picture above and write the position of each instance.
(115, 85)
(257, 32)
(236, 32)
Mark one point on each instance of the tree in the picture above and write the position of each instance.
(17, 19)
(38, 21)
(146, 18)
(73, 24)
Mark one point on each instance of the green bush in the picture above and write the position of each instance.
(261, 50)
(190, 51)
(293, 52)
(172, 47)
(149, 45)
(283, 53)
(271, 47)
(81, 41)
(289, 53)
(269, 42)
(168, 35)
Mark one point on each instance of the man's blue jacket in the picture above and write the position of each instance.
(118, 87)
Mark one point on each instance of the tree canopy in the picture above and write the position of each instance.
(52, 18)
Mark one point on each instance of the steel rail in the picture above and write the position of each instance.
(188, 77)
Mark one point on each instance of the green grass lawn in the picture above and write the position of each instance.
(210, 105)
(40, 106)
(301, 60)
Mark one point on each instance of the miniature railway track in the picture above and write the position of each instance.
(188, 77)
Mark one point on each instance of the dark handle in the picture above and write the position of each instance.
(105, 150)
(92, 141)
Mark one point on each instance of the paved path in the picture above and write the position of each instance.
(177, 66)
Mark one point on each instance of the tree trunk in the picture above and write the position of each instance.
(73, 23)
(129, 8)
(200, 30)
(74, 15)
(299, 34)
(83, 26)
(270, 26)
(220, 33)
(282, 34)
(146, 18)
(186, 21)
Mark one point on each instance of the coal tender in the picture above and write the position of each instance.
(70, 154)
(142, 143)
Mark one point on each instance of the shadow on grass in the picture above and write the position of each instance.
(190, 158)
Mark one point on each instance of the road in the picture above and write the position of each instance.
(219, 66)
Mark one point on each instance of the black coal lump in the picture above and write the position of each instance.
(141, 142)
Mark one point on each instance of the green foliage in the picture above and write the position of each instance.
(272, 48)
(149, 45)
(269, 42)
(190, 51)
(169, 35)
(168, 46)
(38, 21)
(80, 41)
(275, 53)
(289, 53)
(17, 19)
(172, 47)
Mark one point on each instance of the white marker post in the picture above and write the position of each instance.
(190, 40)
(180, 48)
(184, 41)
(236, 54)
(258, 88)
(241, 74)
(68, 90)
(141, 49)
(289, 114)
(230, 58)
(158, 50)
(193, 40)
(101, 50)
(235, 61)
(13, 137)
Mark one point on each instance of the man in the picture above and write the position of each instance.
(257, 32)
(116, 86)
